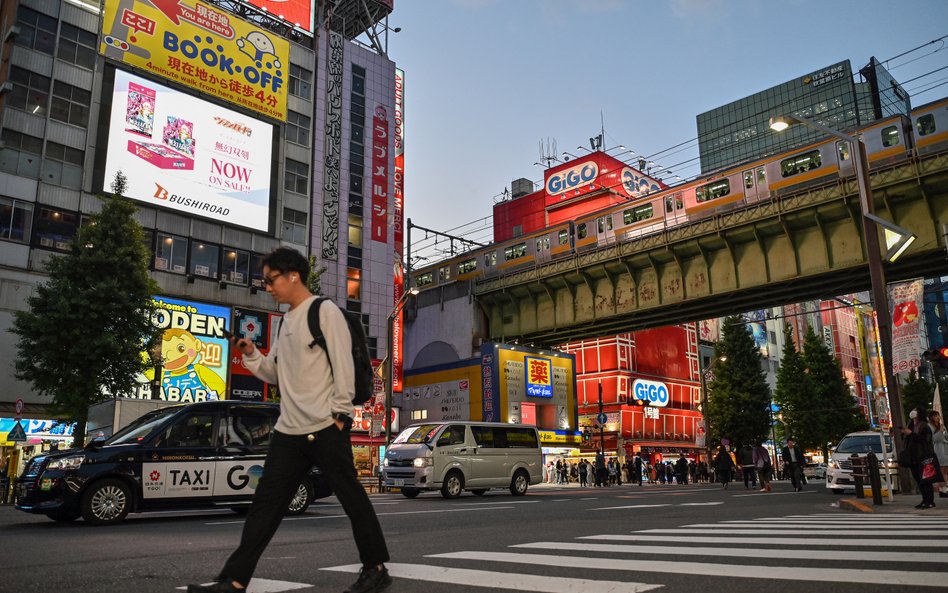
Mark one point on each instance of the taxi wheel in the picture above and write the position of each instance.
(106, 502)
(453, 484)
(64, 516)
(302, 498)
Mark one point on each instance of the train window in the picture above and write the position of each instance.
(890, 136)
(581, 230)
(636, 214)
(748, 179)
(490, 259)
(563, 237)
(604, 223)
(800, 163)
(761, 177)
(467, 266)
(713, 190)
(843, 149)
(543, 243)
(673, 203)
(515, 251)
(925, 124)
(444, 273)
(424, 279)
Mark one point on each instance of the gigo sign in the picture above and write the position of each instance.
(653, 392)
(571, 178)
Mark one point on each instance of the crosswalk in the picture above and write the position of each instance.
(881, 550)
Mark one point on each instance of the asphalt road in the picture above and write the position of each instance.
(555, 539)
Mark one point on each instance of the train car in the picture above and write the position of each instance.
(930, 123)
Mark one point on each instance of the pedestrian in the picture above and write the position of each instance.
(637, 469)
(600, 469)
(669, 472)
(940, 444)
(4, 476)
(693, 471)
(723, 466)
(764, 468)
(920, 454)
(681, 469)
(316, 390)
(745, 457)
(793, 464)
(583, 473)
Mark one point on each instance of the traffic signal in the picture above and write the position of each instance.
(937, 355)
(631, 401)
(586, 435)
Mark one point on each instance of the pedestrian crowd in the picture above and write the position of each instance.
(925, 453)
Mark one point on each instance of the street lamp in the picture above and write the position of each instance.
(876, 272)
(391, 367)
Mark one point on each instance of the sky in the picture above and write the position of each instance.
(490, 82)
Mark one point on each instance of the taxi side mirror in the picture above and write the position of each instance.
(95, 443)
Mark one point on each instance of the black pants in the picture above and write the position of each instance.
(794, 473)
(750, 476)
(288, 460)
(927, 489)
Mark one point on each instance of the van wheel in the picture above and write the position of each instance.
(301, 500)
(479, 491)
(410, 492)
(519, 483)
(106, 502)
(453, 484)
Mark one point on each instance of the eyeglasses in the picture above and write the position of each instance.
(269, 280)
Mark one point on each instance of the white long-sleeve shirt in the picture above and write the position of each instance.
(310, 390)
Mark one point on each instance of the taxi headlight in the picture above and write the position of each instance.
(71, 462)
(421, 461)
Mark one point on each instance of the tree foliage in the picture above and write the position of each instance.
(794, 392)
(739, 397)
(916, 393)
(81, 339)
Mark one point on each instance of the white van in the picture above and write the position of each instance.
(456, 456)
(839, 470)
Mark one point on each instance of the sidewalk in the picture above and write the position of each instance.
(901, 503)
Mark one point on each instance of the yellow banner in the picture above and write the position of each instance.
(203, 47)
(549, 437)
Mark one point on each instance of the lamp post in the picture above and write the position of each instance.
(880, 297)
(390, 380)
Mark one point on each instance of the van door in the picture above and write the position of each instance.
(453, 451)
(181, 461)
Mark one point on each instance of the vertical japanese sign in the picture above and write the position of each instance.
(906, 302)
(397, 345)
(380, 175)
(202, 47)
(194, 351)
(490, 404)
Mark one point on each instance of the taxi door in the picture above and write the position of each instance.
(243, 439)
(181, 461)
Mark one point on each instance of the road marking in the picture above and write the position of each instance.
(267, 586)
(853, 517)
(785, 573)
(499, 502)
(824, 525)
(306, 518)
(699, 504)
(764, 541)
(590, 498)
(631, 506)
(774, 493)
(725, 530)
(887, 556)
(495, 580)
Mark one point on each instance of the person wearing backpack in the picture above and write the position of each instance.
(317, 387)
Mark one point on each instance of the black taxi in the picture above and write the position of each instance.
(205, 454)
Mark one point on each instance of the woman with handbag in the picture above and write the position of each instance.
(917, 437)
(940, 443)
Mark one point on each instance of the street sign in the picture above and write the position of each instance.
(17, 434)
(18, 407)
(602, 417)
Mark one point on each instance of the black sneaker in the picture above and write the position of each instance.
(371, 580)
(214, 588)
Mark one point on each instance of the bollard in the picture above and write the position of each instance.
(859, 468)
(875, 480)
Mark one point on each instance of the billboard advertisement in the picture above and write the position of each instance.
(512, 376)
(194, 352)
(202, 47)
(905, 302)
(260, 328)
(186, 154)
(298, 13)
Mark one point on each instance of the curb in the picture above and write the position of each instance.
(853, 504)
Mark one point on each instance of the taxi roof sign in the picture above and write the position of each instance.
(17, 434)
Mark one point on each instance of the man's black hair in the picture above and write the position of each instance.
(287, 259)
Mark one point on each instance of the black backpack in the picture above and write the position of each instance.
(364, 380)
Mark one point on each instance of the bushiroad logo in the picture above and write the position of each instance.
(160, 192)
(188, 203)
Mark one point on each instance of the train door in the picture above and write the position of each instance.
(674, 209)
(755, 184)
(542, 246)
(844, 156)
(604, 232)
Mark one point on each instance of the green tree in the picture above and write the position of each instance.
(81, 340)
(794, 392)
(916, 392)
(834, 411)
(739, 402)
(312, 283)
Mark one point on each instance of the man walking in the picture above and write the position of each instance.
(316, 389)
(792, 457)
(745, 458)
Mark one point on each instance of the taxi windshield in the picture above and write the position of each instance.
(415, 435)
(142, 427)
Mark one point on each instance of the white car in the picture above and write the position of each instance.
(839, 474)
(815, 471)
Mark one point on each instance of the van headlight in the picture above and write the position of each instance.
(71, 462)
(834, 464)
(385, 462)
(422, 462)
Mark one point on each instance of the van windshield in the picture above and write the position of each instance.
(415, 435)
(142, 427)
(863, 444)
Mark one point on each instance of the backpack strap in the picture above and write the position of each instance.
(312, 319)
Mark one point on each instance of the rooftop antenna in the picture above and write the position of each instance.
(548, 152)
